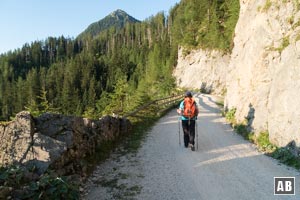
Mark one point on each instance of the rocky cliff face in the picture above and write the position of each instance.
(263, 75)
(202, 69)
(263, 78)
(56, 141)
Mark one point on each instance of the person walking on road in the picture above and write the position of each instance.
(188, 110)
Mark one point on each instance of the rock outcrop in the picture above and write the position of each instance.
(202, 69)
(262, 78)
(56, 141)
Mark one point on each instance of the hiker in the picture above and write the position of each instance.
(189, 111)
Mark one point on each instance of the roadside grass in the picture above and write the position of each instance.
(220, 103)
(261, 140)
(230, 116)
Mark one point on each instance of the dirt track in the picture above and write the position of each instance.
(224, 167)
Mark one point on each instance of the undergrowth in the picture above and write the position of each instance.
(16, 182)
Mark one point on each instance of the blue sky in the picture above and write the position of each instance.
(24, 21)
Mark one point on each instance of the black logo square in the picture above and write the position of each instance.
(284, 185)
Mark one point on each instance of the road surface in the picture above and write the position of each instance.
(224, 167)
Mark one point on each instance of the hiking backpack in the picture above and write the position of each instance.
(190, 109)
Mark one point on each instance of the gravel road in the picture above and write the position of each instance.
(225, 166)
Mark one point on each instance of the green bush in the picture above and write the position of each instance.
(11, 175)
(285, 156)
(242, 130)
(230, 115)
(264, 143)
(46, 187)
(49, 187)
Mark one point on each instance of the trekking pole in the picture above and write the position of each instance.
(179, 129)
(189, 125)
(196, 133)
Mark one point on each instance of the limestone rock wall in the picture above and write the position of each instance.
(56, 141)
(202, 68)
(263, 77)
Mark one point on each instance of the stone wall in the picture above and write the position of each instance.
(56, 141)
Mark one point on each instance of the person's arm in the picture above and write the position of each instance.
(180, 109)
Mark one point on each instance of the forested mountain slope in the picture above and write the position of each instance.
(81, 76)
(117, 69)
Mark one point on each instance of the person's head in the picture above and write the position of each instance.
(188, 94)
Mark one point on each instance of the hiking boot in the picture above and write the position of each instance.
(192, 147)
(186, 145)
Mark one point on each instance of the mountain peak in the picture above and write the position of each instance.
(118, 12)
(117, 18)
(121, 15)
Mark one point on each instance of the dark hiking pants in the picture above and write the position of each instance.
(188, 127)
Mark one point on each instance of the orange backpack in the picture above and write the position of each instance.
(190, 109)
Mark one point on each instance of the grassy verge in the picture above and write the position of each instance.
(283, 154)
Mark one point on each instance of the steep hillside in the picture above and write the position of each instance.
(116, 19)
(263, 75)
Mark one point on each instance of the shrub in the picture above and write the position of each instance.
(230, 115)
(264, 143)
(285, 156)
(242, 130)
(48, 186)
